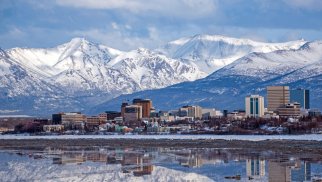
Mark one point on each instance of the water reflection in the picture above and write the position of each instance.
(204, 164)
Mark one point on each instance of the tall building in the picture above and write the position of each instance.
(132, 113)
(57, 118)
(146, 106)
(301, 96)
(254, 105)
(277, 96)
(124, 104)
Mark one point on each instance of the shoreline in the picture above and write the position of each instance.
(303, 137)
(294, 147)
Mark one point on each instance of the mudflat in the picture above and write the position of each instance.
(285, 146)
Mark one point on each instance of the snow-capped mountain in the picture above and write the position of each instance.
(251, 74)
(212, 52)
(80, 74)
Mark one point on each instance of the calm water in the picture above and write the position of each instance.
(154, 164)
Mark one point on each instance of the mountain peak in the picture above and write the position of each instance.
(79, 41)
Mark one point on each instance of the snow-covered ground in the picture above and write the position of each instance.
(308, 137)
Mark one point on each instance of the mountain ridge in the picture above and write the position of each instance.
(251, 74)
(79, 74)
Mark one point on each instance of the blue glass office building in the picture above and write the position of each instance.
(301, 96)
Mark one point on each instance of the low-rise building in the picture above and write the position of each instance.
(53, 128)
(73, 120)
(93, 122)
(314, 112)
(290, 110)
(210, 113)
(191, 111)
(110, 115)
(118, 120)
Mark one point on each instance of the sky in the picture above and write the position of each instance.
(130, 24)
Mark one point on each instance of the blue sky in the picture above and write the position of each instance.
(129, 24)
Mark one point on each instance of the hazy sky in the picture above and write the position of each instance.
(129, 24)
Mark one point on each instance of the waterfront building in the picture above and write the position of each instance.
(132, 113)
(146, 106)
(118, 120)
(124, 104)
(237, 115)
(57, 118)
(73, 120)
(8, 122)
(254, 105)
(93, 122)
(314, 113)
(110, 115)
(103, 117)
(208, 113)
(301, 96)
(277, 96)
(290, 110)
(53, 128)
(191, 111)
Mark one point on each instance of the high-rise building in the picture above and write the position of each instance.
(277, 96)
(57, 118)
(132, 113)
(146, 106)
(254, 105)
(124, 104)
(301, 96)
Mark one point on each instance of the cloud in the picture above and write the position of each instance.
(120, 39)
(188, 9)
(305, 4)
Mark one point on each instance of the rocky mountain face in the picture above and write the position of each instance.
(81, 74)
(251, 74)
(84, 76)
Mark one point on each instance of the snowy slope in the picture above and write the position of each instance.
(79, 74)
(227, 87)
(212, 52)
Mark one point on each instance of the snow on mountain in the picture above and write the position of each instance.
(84, 74)
(251, 74)
(212, 52)
(79, 74)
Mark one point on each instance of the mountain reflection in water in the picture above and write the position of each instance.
(156, 164)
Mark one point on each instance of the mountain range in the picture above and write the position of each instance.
(227, 87)
(208, 70)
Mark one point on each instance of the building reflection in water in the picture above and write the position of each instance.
(255, 168)
(284, 170)
(137, 163)
(140, 162)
